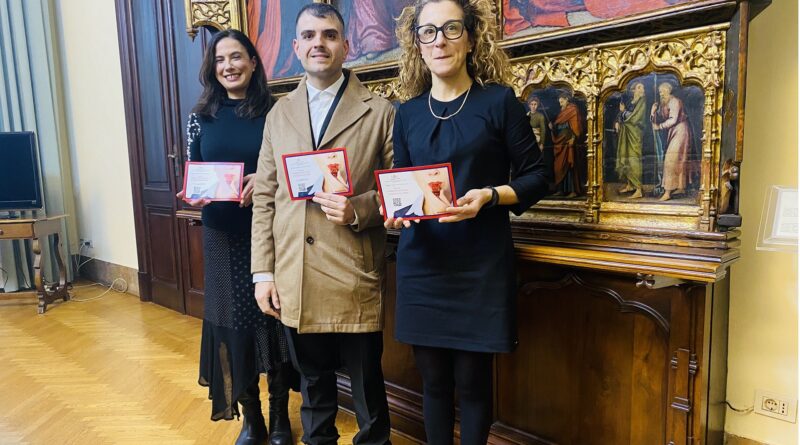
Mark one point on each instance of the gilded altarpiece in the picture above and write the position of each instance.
(694, 58)
(591, 75)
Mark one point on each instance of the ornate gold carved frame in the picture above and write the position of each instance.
(696, 57)
(219, 14)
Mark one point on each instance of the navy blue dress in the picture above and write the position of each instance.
(456, 282)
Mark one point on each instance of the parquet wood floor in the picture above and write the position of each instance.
(109, 371)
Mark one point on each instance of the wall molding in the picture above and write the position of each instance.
(730, 439)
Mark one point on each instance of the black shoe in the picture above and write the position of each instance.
(279, 425)
(254, 429)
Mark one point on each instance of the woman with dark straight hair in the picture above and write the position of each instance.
(238, 342)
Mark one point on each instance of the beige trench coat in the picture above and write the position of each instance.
(329, 277)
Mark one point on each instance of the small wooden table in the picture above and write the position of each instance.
(34, 229)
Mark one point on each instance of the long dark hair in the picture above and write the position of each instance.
(258, 100)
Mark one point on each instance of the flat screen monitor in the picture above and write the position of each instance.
(20, 182)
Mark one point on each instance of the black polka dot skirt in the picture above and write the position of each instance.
(238, 342)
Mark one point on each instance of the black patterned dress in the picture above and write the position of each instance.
(238, 341)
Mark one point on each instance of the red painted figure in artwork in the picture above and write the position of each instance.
(371, 25)
(519, 15)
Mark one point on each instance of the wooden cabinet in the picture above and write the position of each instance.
(604, 357)
(38, 231)
(603, 361)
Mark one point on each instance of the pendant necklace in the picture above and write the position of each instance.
(444, 118)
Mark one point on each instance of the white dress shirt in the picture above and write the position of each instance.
(319, 103)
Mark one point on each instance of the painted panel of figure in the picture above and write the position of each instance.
(371, 29)
(528, 17)
(652, 141)
(271, 27)
(558, 121)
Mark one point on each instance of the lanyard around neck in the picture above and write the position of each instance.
(339, 94)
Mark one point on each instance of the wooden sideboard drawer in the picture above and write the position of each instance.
(18, 230)
(39, 231)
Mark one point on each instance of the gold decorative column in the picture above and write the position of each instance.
(219, 14)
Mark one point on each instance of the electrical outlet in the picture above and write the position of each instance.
(86, 243)
(775, 405)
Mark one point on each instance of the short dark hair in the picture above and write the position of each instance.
(320, 10)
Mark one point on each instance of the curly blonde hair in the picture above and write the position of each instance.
(487, 63)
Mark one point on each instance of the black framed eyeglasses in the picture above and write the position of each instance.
(452, 30)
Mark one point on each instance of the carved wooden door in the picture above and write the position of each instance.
(160, 66)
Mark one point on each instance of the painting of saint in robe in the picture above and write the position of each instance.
(651, 141)
(670, 120)
(630, 125)
(538, 120)
(526, 17)
(271, 28)
(558, 122)
(568, 129)
(371, 29)
(539, 125)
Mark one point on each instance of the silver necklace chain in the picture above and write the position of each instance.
(444, 118)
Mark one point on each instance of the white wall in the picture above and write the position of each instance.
(95, 115)
(762, 352)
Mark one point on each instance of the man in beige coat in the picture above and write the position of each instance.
(318, 265)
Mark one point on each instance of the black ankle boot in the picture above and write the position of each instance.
(279, 426)
(254, 430)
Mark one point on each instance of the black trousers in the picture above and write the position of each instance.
(446, 372)
(317, 357)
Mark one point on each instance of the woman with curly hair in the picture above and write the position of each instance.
(455, 275)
